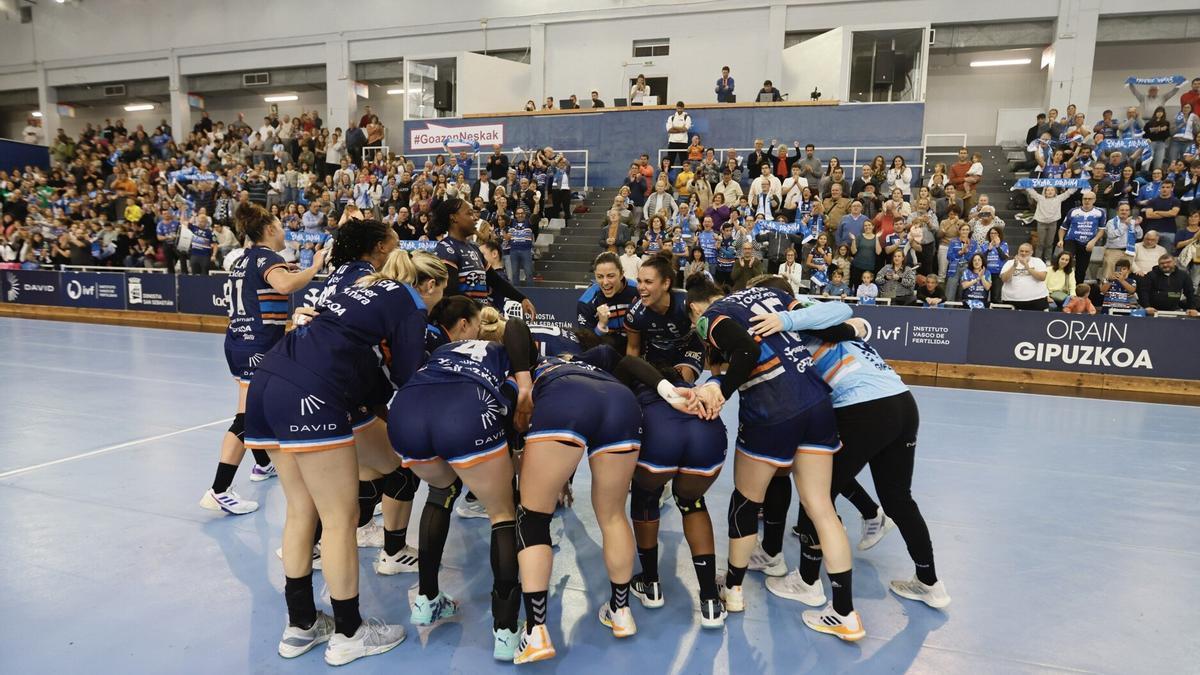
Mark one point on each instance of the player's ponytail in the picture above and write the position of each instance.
(701, 289)
(252, 221)
(357, 238)
(409, 269)
(491, 324)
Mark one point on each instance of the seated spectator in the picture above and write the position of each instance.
(615, 234)
(837, 287)
(867, 290)
(696, 264)
(1024, 279)
(659, 201)
(1080, 303)
(930, 293)
(1147, 253)
(1119, 288)
(836, 177)
(976, 284)
(898, 280)
(1060, 278)
(1166, 288)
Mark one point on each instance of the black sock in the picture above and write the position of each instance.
(435, 526)
(810, 559)
(843, 592)
(261, 457)
(317, 534)
(298, 593)
(224, 478)
(346, 618)
(394, 540)
(862, 501)
(775, 508)
(649, 560)
(369, 494)
(620, 595)
(926, 573)
(535, 609)
(734, 576)
(506, 600)
(706, 574)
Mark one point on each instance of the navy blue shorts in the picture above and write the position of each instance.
(598, 415)
(282, 416)
(458, 421)
(676, 442)
(242, 362)
(813, 431)
(690, 356)
(364, 416)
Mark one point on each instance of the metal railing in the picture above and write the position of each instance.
(102, 268)
(514, 157)
(850, 169)
(925, 146)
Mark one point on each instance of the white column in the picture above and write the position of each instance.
(341, 101)
(181, 112)
(48, 104)
(537, 65)
(774, 38)
(1069, 79)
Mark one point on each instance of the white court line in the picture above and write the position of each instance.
(111, 448)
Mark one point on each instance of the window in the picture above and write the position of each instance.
(655, 47)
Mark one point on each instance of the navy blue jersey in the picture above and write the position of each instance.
(257, 312)
(341, 279)
(554, 341)
(618, 307)
(467, 263)
(338, 353)
(666, 338)
(595, 364)
(784, 382)
(435, 336)
(485, 363)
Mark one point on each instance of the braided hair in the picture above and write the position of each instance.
(357, 238)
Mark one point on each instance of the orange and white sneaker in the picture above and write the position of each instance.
(621, 621)
(535, 645)
(732, 596)
(849, 627)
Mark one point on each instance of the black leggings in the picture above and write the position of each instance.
(883, 434)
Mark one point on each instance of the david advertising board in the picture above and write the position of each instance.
(31, 287)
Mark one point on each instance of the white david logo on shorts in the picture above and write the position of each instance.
(310, 404)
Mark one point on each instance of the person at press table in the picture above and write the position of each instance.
(1024, 279)
(1168, 289)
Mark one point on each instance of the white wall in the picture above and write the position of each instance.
(961, 99)
(225, 108)
(821, 62)
(487, 84)
(1115, 63)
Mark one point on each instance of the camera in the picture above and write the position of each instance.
(816, 94)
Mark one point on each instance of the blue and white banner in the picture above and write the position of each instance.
(776, 226)
(191, 173)
(917, 333)
(97, 290)
(31, 287)
(414, 245)
(1174, 80)
(1125, 145)
(1059, 183)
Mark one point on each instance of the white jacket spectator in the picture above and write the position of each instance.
(33, 134)
(1024, 285)
(899, 178)
(1147, 254)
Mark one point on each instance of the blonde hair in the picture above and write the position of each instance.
(409, 269)
(491, 324)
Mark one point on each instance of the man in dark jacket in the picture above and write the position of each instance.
(636, 185)
(1168, 289)
(775, 244)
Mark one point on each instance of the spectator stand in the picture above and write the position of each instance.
(577, 158)
(858, 155)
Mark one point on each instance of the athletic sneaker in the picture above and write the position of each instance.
(427, 611)
(848, 628)
(621, 621)
(649, 592)
(372, 637)
(297, 641)
(404, 562)
(535, 645)
(378, 510)
(935, 596)
(874, 529)
(793, 587)
(370, 535)
(733, 598)
(316, 559)
(712, 614)
(770, 565)
(475, 509)
(504, 645)
(227, 501)
(261, 473)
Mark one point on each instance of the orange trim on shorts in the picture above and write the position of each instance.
(321, 447)
(696, 472)
(555, 438)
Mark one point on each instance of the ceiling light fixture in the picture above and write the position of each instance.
(280, 99)
(37, 113)
(1001, 62)
(138, 107)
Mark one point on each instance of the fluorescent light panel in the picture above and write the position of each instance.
(281, 98)
(138, 107)
(37, 113)
(1001, 62)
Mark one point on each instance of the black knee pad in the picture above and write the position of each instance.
(533, 528)
(401, 485)
(689, 506)
(444, 497)
(238, 428)
(643, 504)
(743, 516)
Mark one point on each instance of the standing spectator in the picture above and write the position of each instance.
(1158, 214)
(1025, 281)
(818, 262)
(957, 174)
(835, 205)
(728, 187)
(1158, 131)
(1168, 289)
(766, 193)
(899, 176)
(958, 250)
(976, 285)
(201, 253)
(724, 88)
(659, 202)
(995, 254)
(1191, 96)
(678, 126)
(1187, 245)
(746, 268)
(898, 280)
(1152, 98)
(776, 244)
(639, 93)
(1107, 126)
(810, 166)
(497, 164)
(768, 93)
(631, 262)
(520, 239)
(1121, 233)
(32, 133)
(1119, 288)
(757, 158)
(850, 226)
(792, 271)
(865, 247)
(1080, 232)
(1187, 124)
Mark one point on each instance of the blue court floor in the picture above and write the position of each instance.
(1065, 529)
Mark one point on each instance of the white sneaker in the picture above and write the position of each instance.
(848, 628)
(712, 614)
(261, 473)
(793, 587)
(378, 510)
(935, 596)
(404, 562)
(732, 597)
(534, 646)
(227, 501)
(621, 621)
(649, 592)
(372, 637)
(475, 509)
(316, 559)
(770, 565)
(297, 641)
(370, 535)
(874, 529)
